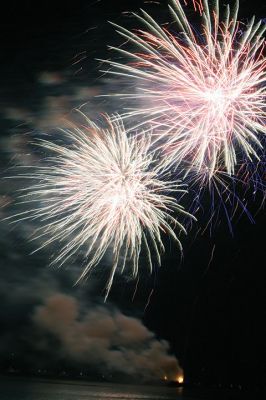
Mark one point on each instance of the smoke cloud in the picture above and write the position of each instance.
(105, 339)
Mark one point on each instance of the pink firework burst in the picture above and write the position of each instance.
(202, 93)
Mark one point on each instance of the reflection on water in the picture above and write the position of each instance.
(34, 389)
(55, 390)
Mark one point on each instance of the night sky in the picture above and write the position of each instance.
(209, 305)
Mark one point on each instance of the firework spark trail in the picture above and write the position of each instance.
(227, 195)
(101, 191)
(203, 94)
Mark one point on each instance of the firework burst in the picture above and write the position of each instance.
(202, 93)
(100, 190)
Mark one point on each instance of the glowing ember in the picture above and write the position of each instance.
(180, 379)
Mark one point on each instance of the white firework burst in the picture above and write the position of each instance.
(101, 190)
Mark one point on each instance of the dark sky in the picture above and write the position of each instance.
(210, 306)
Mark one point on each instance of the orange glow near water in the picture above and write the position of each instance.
(180, 379)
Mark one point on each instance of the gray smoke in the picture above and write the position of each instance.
(105, 339)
